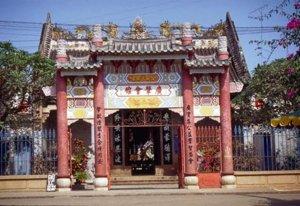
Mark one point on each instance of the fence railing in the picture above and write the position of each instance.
(24, 152)
(266, 148)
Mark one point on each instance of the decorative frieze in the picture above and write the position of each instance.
(155, 90)
(147, 66)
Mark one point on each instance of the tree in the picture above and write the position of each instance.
(274, 88)
(22, 76)
(273, 91)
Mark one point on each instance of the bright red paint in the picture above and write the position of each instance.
(62, 127)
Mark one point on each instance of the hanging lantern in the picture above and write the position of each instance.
(24, 106)
(259, 103)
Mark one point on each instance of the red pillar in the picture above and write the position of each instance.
(62, 133)
(189, 130)
(226, 130)
(101, 174)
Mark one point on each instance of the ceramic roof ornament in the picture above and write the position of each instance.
(97, 35)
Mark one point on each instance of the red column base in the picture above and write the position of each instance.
(209, 180)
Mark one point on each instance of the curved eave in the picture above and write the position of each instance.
(79, 68)
(198, 64)
(122, 52)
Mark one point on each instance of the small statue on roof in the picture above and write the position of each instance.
(112, 30)
(165, 29)
(61, 33)
(83, 32)
(138, 29)
(216, 30)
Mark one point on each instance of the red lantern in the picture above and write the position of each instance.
(259, 103)
(24, 106)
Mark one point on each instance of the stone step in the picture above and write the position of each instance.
(141, 187)
(144, 180)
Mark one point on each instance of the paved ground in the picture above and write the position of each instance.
(160, 195)
(276, 199)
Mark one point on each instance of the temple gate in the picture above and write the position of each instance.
(139, 96)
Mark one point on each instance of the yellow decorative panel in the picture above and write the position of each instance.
(79, 91)
(141, 78)
(206, 89)
(143, 102)
(79, 113)
(206, 111)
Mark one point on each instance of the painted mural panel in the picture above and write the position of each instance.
(80, 96)
(155, 90)
(206, 97)
(206, 85)
(80, 108)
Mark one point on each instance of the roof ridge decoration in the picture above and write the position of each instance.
(61, 33)
(217, 30)
(45, 39)
(138, 30)
(61, 47)
(112, 30)
(165, 29)
(83, 32)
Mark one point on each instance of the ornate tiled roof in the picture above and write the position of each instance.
(206, 61)
(239, 70)
(199, 49)
(78, 63)
(71, 66)
(145, 46)
(141, 46)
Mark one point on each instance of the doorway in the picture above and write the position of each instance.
(129, 130)
(143, 150)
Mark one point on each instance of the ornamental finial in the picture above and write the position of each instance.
(112, 30)
(165, 29)
(222, 48)
(61, 55)
(97, 35)
(138, 29)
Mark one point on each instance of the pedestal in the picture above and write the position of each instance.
(191, 182)
(228, 181)
(101, 183)
(63, 184)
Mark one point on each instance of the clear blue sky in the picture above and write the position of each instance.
(122, 12)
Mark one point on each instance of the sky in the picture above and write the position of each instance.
(154, 12)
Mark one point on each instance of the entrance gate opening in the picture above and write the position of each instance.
(142, 149)
(145, 142)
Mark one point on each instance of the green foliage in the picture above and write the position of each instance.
(81, 176)
(22, 76)
(79, 160)
(277, 85)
